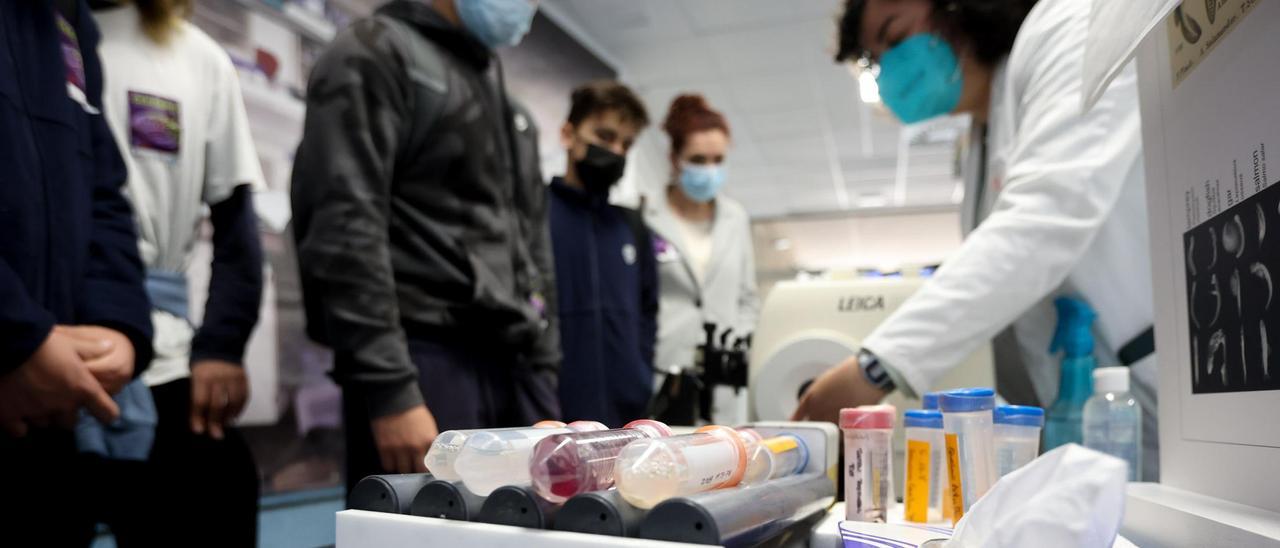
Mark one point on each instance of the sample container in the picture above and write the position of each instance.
(970, 440)
(498, 458)
(1017, 436)
(776, 457)
(925, 473)
(868, 461)
(930, 401)
(448, 445)
(650, 471)
(564, 465)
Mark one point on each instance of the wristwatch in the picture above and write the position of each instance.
(874, 371)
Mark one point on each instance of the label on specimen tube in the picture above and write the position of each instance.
(710, 464)
(918, 468)
(780, 444)
(953, 474)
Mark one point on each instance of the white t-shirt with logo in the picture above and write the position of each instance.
(176, 112)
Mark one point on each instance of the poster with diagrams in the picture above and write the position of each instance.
(1229, 258)
(1211, 127)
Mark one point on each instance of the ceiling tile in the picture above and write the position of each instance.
(717, 15)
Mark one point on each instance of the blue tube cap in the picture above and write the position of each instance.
(804, 453)
(931, 400)
(967, 400)
(1020, 415)
(922, 418)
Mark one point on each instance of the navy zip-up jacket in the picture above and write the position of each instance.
(68, 249)
(608, 297)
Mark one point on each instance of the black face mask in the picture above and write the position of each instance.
(600, 169)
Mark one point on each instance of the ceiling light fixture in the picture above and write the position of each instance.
(868, 89)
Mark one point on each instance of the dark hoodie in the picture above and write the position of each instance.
(413, 218)
(69, 253)
(608, 281)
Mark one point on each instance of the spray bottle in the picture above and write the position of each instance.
(1074, 338)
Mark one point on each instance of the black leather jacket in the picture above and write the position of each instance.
(412, 213)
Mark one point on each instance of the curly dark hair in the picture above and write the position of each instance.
(604, 95)
(988, 26)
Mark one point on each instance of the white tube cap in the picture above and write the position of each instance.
(1110, 379)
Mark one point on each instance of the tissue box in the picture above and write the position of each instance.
(859, 534)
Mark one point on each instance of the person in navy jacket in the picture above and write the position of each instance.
(74, 317)
(605, 269)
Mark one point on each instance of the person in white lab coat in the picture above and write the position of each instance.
(706, 267)
(1054, 202)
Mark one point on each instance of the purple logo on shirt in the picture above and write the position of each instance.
(153, 122)
(660, 245)
(71, 53)
(538, 303)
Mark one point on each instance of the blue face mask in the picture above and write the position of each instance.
(497, 23)
(920, 78)
(701, 183)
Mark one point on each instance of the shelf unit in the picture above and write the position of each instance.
(307, 24)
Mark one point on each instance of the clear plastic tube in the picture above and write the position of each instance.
(969, 433)
(925, 472)
(868, 459)
(1017, 436)
(774, 458)
(496, 458)
(564, 465)
(653, 470)
(448, 445)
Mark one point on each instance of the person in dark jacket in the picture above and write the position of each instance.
(74, 317)
(605, 269)
(420, 220)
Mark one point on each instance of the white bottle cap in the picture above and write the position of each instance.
(1110, 379)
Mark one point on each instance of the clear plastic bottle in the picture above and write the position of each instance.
(653, 470)
(868, 460)
(495, 458)
(445, 449)
(564, 465)
(776, 457)
(1113, 419)
(1017, 436)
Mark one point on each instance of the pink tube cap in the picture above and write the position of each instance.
(587, 426)
(868, 417)
(652, 428)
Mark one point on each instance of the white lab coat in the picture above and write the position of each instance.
(1062, 209)
(727, 297)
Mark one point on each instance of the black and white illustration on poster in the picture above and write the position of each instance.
(1234, 312)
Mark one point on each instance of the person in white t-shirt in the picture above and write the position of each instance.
(173, 102)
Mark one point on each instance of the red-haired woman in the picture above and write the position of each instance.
(703, 239)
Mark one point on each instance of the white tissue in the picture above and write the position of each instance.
(1069, 497)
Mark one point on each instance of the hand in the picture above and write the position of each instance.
(219, 391)
(53, 384)
(403, 439)
(107, 353)
(841, 386)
